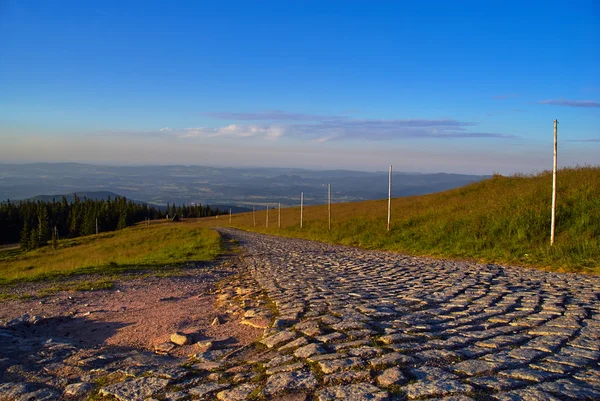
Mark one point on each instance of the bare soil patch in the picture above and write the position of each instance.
(140, 311)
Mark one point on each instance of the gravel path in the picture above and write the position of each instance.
(360, 325)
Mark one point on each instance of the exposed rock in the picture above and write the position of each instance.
(180, 339)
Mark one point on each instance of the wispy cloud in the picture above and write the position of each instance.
(320, 128)
(570, 103)
(232, 131)
(584, 140)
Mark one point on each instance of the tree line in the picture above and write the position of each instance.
(33, 223)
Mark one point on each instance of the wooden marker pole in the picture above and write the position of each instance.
(229, 216)
(267, 218)
(329, 204)
(301, 208)
(553, 220)
(389, 217)
(96, 226)
(279, 216)
(254, 215)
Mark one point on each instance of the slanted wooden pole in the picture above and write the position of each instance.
(279, 216)
(267, 218)
(229, 216)
(389, 217)
(553, 220)
(254, 215)
(329, 204)
(301, 208)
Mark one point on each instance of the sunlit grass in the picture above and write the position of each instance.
(502, 219)
(132, 248)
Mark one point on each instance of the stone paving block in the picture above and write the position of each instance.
(525, 395)
(206, 389)
(279, 338)
(353, 392)
(391, 376)
(134, 390)
(299, 342)
(475, 367)
(346, 377)
(309, 350)
(529, 374)
(571, 388)
(435, 388)
(290, 381)
(239, 393)
(335, 365)
(393, 358)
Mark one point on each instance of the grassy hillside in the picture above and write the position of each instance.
(502, 219)
(136, 247)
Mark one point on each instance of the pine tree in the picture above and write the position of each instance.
(42, 228)
(25, 234)
(33, 240)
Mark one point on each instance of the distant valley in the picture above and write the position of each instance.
(242, 187)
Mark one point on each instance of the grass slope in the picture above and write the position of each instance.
(132, 248)
(502, 220)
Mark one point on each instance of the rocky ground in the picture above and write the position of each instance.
(332, 323)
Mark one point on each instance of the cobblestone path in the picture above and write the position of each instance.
(355, 324)
(349, 324)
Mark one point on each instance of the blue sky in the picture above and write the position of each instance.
(428, 86)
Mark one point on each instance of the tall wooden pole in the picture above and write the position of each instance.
(553, 222)
(267, 218)
(389, 200)
(254, 215)
(96, 226)
(301, 208)
(279, 216)
(329, 203)
(229, 216)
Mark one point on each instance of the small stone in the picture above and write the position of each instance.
(391, 376)
(180, 339)
(216, 321)
(164, 348)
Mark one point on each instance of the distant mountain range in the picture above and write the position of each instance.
(240, 187)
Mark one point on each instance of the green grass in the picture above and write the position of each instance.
(499, 220)
(110, 253)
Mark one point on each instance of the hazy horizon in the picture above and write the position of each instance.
(433, 87)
